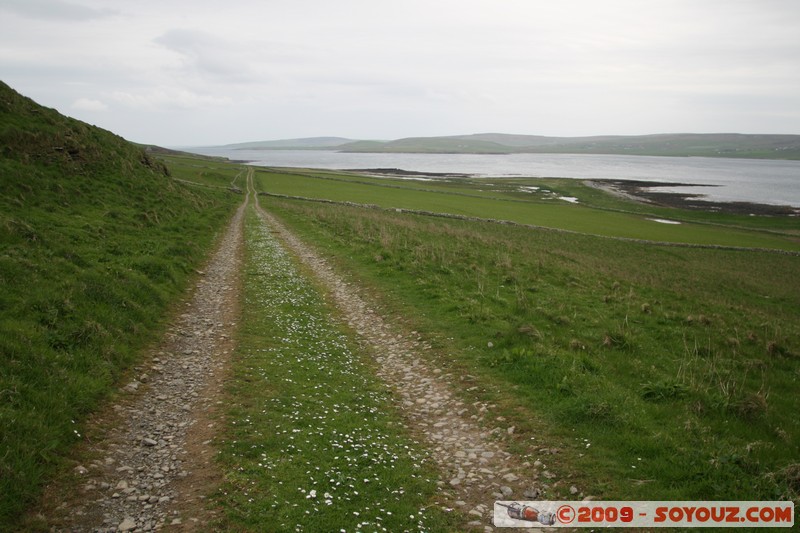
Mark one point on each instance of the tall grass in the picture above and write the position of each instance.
(662, 373)
(96, 242)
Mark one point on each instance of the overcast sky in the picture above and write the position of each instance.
(203, 72)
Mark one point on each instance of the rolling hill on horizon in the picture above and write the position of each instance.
(292, 144)
(760, 146)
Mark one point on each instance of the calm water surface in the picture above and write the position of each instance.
(717, 179)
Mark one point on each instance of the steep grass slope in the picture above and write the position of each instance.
(96, 240)
(659, 373)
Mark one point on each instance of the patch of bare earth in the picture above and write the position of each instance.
(476, 465)
(149, 462)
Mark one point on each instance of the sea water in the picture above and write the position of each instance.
(765, 181)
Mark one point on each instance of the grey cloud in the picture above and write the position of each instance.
(211, 56)
(417, 67)
(202, 49)
(55, 10)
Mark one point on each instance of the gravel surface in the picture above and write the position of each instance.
(153, 466)
(475, 464)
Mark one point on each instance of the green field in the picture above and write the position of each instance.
(659, 372)
(595, 213)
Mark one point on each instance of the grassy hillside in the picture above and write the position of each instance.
(96, 239)
(657, 373)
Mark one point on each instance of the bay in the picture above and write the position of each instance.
(764, 181)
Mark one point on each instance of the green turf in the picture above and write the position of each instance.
(312, 441)
(661, 373)
(97, 240)
(544, 209)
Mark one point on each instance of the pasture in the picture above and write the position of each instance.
(656, 372)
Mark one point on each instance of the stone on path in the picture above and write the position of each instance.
(471, 455)
(127, 525)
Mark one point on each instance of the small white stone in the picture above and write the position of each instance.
(532, 493)
(127, 525)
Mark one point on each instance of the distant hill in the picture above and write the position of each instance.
(308, 143)
(436, 145)
(756, 146)
(677, 144)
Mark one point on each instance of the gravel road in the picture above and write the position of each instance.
(153, 468)
(465, 439)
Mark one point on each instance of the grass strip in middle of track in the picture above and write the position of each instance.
(312, 443)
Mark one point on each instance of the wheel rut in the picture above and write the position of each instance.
(151, 460)
(154, 468)
(477, 468)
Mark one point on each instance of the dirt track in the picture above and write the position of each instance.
(476, 468)
(149, 463)
(153, 468)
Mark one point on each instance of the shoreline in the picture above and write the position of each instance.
(638, 191)
(641, 192)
